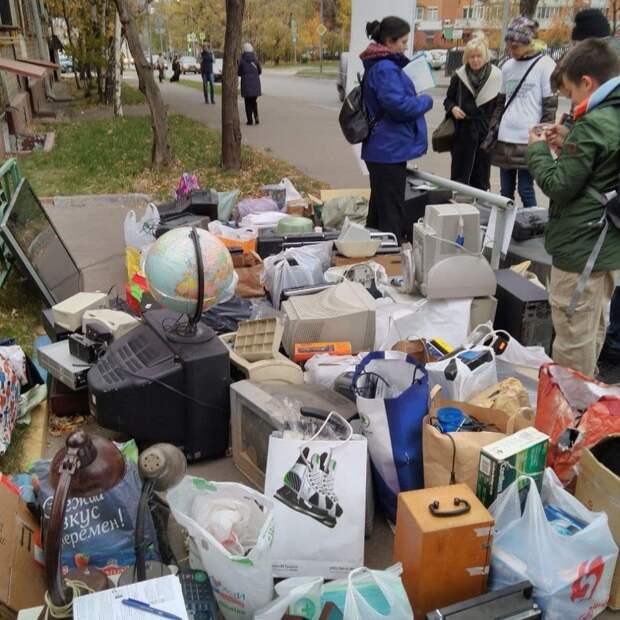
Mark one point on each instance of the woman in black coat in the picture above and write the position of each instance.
(471, 100)
(249, 72)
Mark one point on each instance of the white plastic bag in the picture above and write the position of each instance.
(141, 233)
(294, 267)
(324, 369)
(571, 574)
(358, 607)
(363, 595)
(291, 192)
(467, 383)
(296, 596)
(516, 360)
(241, 583)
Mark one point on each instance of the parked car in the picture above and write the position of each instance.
(341, 78)
(218, 66)
(437, 58)
(189, 64)
(66, 64)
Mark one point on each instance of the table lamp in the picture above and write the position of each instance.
(86, 466)
(162, 466)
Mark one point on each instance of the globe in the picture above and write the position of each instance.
(172, 270)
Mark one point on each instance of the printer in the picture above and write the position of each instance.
(447, 254)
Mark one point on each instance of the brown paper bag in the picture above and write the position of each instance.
(439, 451)
(249, 268)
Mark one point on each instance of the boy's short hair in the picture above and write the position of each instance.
(593, 58)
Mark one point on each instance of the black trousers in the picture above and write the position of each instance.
(387, 197)
(251, 109)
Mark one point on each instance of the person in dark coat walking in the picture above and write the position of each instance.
(207, 60)
(399, 131)
(249, 72)
(176, 69)
(471, 100)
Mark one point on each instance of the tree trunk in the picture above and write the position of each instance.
(161, 155)
(118, 76)
(70, 37)
(231, 131)
(528, 7)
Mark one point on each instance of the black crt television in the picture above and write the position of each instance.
(37, 247)
(156, 387)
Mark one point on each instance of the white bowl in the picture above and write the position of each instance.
(358, 249)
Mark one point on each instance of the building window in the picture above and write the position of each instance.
(419, 13)
(7, 13)
(547, 12)
(432, 13)
(467, 12)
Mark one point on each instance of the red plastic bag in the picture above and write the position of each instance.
(576, 412)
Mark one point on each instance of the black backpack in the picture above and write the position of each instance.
(354, 120)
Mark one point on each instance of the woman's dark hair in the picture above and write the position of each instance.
(388, 29)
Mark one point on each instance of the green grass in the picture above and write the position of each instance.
(314, 72)
(131, 95)
(198, 85)
(96, 156)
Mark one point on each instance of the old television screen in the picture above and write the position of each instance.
(36, 245)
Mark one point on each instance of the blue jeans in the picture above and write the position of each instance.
(508, 181)
(208, 78)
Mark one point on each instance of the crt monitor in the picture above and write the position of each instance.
(36, 245)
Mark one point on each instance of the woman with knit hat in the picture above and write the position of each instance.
(525, 100)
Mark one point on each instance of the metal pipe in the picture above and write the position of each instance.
(487, 198)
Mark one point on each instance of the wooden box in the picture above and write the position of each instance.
(445, 558)
(390, 262)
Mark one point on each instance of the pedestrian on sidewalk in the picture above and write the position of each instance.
(471, 100)
(576, 182)
(399, 131)
(161, 68)
(249, 72)
(207, 60)
(525, 100)
(176, 69)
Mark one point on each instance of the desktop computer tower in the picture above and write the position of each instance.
(523, 310)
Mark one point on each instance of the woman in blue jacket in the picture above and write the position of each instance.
(399, 131)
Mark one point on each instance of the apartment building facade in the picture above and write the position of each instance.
(26, 67)
(446, 23)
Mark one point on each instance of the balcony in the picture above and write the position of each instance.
(472, 23)
(429, 25)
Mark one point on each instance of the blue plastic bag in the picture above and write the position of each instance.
(392, 400)
(99, 530)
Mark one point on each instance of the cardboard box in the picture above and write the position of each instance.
(22, 581)
(445, 556)
(390, 262)
(598, 488)
(501, 463)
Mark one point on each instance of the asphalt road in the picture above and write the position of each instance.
(299, 123)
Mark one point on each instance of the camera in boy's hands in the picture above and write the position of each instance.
(538, 133)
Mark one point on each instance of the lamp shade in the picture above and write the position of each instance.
(101, 467)
(164, 465)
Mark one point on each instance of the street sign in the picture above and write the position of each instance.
(457, 35)
(321, 30)
(202, 36)
(448, 33)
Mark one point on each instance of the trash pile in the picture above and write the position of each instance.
(354, 379)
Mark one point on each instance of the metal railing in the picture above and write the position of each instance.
(481, 197)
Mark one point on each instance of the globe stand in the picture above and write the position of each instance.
(195, 331)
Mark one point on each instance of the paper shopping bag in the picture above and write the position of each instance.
(318, 489)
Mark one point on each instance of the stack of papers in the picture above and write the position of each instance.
(164, 593)
(420, 73)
